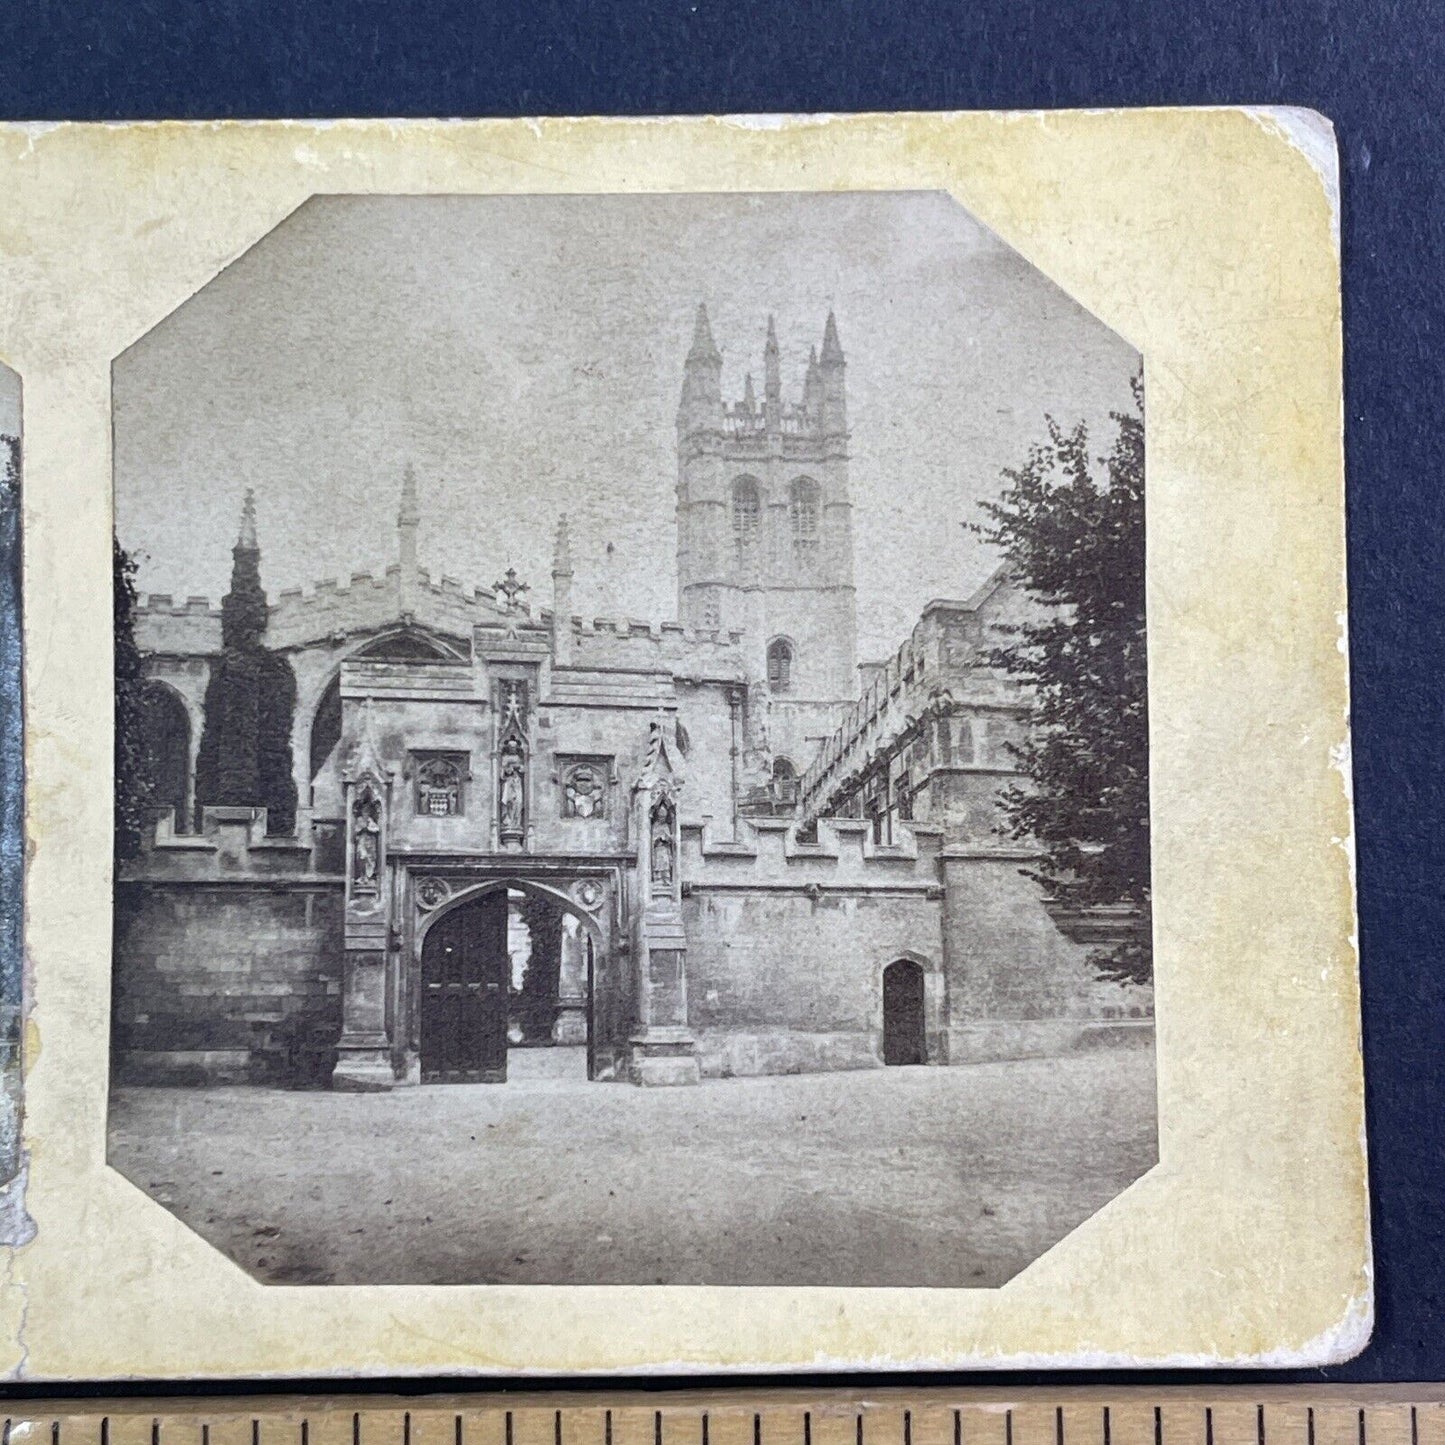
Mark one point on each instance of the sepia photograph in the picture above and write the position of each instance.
(632, 747)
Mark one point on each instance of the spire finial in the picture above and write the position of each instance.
(772, 373)
(750, 400)
(703, 347)
(408, 514)
(247, 536)
(562, 551)
(832, 348)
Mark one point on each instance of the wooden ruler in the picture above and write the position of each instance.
(1225, 1415)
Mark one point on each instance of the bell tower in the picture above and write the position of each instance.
(765, 530)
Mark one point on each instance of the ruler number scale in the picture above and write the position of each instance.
(1404, 1415)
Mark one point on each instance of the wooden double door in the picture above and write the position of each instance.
(465, 985)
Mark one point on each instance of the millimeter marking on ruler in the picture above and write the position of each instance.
(1233, 1415)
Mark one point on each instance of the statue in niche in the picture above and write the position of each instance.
(366, 841)
(662, 847)
(513, 775)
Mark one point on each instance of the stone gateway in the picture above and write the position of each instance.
(703, 847)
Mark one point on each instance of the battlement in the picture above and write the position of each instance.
(323, 592)
(299, 615)
(162, 604)
(367, 600)
(232, 847)
(671, 646)
(769, 855)
(188, 629)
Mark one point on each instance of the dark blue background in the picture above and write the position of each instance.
(1372, 66)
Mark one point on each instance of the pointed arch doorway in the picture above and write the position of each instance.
(509, 965)
(905, 1039)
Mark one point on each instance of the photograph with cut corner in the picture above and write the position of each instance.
(632, 747)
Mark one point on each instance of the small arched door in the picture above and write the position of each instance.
(465, 974)
(904, 1036)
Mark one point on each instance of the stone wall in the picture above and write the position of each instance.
(788, 981)
(236, 983)
(787, 943)
(1017, 987)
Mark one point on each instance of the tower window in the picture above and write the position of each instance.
(747, 508)
(785, 781)
(803, 512)
(903, 792)
(780, 666)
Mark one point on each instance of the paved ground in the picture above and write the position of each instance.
(927, 1176)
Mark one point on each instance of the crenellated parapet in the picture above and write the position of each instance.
(186, 629)
(365, 601)
(368, 601)
(687, 652)
(231, 848)
(773, 855)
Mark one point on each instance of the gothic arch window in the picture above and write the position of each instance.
(803, 514)
(780, 665)
(785, 781)
(326, 726)
(167, 732)
(747, 512)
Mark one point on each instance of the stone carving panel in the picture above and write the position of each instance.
(584, 786)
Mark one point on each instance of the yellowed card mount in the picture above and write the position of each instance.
(730, 746)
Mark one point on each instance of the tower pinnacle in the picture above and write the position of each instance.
(832, 402)
(562, 595)
(408, 517)
(772, 380)
(562, 551)
(832, 350)
(812, 384)
(246, 538)
(703, 347)
(701, 407)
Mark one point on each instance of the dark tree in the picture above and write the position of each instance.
(244, 759)
(1072, 531)
(275, 782)
(132, 770)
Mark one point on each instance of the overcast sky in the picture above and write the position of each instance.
(525, 355)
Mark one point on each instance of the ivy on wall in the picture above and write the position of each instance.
(132, 775)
